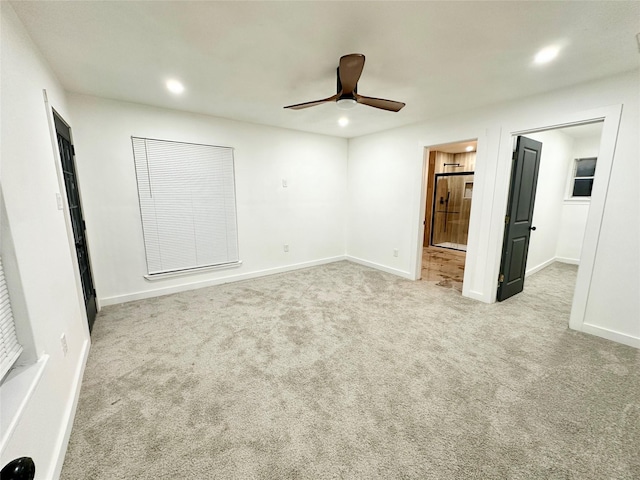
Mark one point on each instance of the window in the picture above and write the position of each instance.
(187, 203)
(584, 170)
(10, 349)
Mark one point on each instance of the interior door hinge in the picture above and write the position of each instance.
(73, 150)
(506, 220)
(501, 278)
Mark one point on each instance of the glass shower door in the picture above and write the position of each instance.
(451, 210)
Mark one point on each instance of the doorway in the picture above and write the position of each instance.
(67, 159)
(449, 184)
(555, 228)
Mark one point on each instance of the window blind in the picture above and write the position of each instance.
(187, 204)
(10, 349)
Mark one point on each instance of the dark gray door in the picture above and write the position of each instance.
(522, 195)
(77, 221)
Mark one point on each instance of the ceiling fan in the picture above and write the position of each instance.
(347, 96)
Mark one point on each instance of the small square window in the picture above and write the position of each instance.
(582, 187)
(584, 171)
(585, 167)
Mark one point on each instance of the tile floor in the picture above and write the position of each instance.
(457, 246)
(443, 268)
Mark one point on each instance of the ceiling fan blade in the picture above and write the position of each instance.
(381, 103)
(300, 106)
(349, 71)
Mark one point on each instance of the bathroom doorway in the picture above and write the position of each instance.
(450, 178)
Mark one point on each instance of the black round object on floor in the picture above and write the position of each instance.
(21, 468)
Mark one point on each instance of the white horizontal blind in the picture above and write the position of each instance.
(10, 349)
(188, 204)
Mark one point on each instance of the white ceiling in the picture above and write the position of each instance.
(587, 130)
(246, 60)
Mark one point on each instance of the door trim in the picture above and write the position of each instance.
(66, 215)
(69, 162)
(610, 115)
(486, 157)
(486, 224)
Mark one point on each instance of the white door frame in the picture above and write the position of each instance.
(480, 153)
(491, 189)
(487, 149)
(611, 116)
(65, 211)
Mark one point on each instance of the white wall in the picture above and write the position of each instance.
(35, 236)
(571, 233)
(308, 215)
(385, 197)
(586, 147)
(384, 201)
(575, 212)
(550, 193)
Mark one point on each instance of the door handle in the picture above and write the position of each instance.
(532, 228)
(21, 468)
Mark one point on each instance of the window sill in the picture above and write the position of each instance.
(181, 273)
(15, 392)
(578, 201)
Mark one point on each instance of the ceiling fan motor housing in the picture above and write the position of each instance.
(347, 96)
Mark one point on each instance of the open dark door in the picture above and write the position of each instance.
(67, 154)
(522, 195)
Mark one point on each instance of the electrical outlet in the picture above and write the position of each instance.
(286, 247)
(63, 343)
(395, 252)
(284, 183)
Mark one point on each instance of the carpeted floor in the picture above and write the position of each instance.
(340, 371)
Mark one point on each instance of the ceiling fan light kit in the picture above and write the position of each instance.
(349, 71)
(346, 103)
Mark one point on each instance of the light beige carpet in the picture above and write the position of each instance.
(341, 371)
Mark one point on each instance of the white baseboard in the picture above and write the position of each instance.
(570, 261)
(156, 292)
(537, 268)
(384, 268)
(70, 413)
(612, 335)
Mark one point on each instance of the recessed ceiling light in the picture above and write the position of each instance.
(175, 86)
(469, 148)
(546, 54)
(343, 121)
